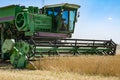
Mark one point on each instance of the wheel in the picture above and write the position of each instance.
(18, 60)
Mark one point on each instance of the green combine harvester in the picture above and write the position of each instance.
(30, 32)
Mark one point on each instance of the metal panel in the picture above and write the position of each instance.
(7, 13)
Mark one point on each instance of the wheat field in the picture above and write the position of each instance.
(48, 75)
(90, 67)
(93, 65)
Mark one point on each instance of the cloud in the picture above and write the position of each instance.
(110, 18)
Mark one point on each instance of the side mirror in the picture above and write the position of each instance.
(78, 14)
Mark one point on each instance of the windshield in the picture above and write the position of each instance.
(64, 19)
(72, 19)
(57, 10)
(69, 19)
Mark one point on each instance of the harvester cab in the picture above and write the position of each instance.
(63, 15)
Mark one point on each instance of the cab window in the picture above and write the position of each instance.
(72, 19)
(49, 11)
(57, 10)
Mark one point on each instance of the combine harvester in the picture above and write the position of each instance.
(29, 32)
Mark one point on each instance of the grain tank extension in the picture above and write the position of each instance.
(29, 32)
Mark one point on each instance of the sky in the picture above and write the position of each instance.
(99, 19)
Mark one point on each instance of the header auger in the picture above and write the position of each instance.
(29, 32)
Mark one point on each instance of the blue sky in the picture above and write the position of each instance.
(99, 19)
